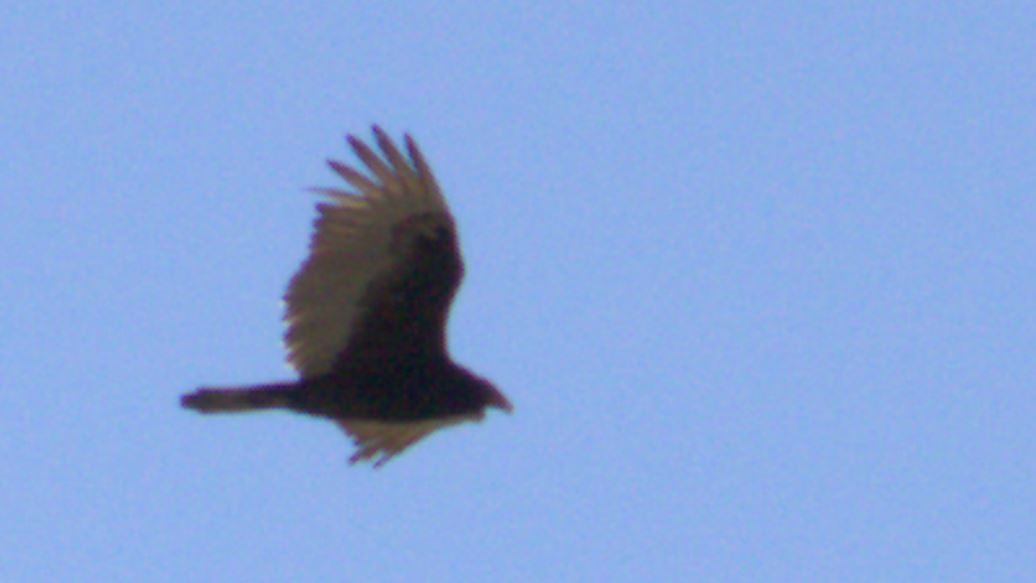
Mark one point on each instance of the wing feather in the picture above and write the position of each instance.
(386, 439)
(360, 241)
(389, 179)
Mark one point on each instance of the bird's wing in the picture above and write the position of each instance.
(383, 264)
(385, 439)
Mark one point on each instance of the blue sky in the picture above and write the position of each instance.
(759, 280)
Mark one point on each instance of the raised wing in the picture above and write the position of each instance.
(383, 262)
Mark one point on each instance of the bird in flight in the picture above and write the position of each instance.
(366, 313)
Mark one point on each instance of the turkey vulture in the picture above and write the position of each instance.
(366, 313)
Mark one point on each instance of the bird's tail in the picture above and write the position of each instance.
(241, 399)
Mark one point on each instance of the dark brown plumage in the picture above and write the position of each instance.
(367, 312)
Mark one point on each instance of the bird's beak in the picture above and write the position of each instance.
(500, 402)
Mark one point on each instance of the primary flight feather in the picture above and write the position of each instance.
(367, 312)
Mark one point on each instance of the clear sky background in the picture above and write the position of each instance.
(760, 279)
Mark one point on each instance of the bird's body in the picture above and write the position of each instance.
(367, 314)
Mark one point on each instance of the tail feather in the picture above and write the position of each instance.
(242, 399)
